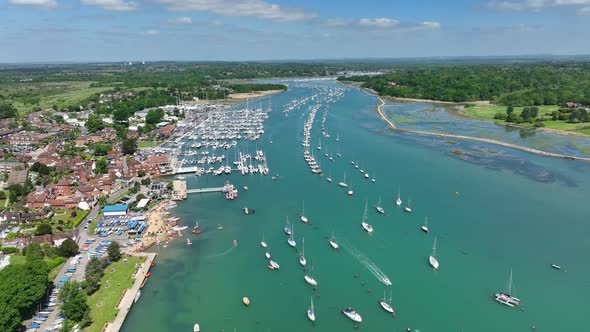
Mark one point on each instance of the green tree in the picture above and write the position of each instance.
(43, 229)
(23, 286)
(33, 252)
(68, 248)
(129, 146)
(9, 318)
(100, 166)
(154, 116)
(74, 303)
(7, 111)
(509, 109)
(94, 123)
(141, 173)
(114, 251)
(94, 271)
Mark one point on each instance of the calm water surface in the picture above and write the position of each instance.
(491, 208)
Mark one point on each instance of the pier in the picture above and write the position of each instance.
(226, 188)
(128, 297)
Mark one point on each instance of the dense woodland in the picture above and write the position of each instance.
(506, 84)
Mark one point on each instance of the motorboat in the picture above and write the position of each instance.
(246, 300)
(267, 255)
(196, 328)
(350, 313)
(310, 280)
(274, 264)
(262, 243)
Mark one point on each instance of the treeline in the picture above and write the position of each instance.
(505, 84)
(247, 88)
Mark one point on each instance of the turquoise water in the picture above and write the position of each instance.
(514, 210)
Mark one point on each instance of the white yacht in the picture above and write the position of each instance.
(505, 297)
(310, 280)
(311, 312)
(274, 264)
(291, 241)
(303, 217)
(302, 259)
(262, 243)
(333, 243)
(196, 328)
(343, 182)
(385, 280)
(350, 313)
(385, 305)
(432, 260)
(267, 255)
(287, 228)
(424, 227)
(378, 207)
(408, 208)
(366, 226)
(398, 201)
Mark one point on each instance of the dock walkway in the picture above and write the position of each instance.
(129, 297)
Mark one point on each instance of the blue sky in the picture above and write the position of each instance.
(118, 30)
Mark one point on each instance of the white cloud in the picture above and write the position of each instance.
(244, 8)
(181, 20)
(535, 5)
(34, 3)
(382, 23)
(152, 32)
(116, 5)
(378, 22)
(584, 11)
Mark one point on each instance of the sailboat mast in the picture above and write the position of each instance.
(510, 283)
(434, 247)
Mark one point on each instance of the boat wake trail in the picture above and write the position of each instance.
(225, 252)
(366, 262)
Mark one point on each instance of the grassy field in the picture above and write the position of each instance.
(148, 144)
(49, 94)
(102, 303)
(66, 216)
(487, 112)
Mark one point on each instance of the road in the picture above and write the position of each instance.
(78, 275)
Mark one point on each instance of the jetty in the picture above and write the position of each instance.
(179, 190)
(128, 297)
(225, 189)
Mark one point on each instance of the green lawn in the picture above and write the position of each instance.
(17, 259)
(102, 303)
(487, 112)
(148, 144)
(69, 221)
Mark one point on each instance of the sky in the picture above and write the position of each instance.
(154, 30)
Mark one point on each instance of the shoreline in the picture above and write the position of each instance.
(156, 229)
(255, 94)
(471, 138)
(458, 108)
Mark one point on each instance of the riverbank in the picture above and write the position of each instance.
(471, 138)
(254, 94)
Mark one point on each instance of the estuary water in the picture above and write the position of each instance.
(491, 208)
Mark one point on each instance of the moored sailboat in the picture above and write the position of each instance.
(506, 297)
(343, 182)
(332, 242)
(387, 305)
(424, 227)
(291, 240)
(378, 207)
(311, 312)
(303, 217)
(365, 225)
(302, 259)
(432, 260)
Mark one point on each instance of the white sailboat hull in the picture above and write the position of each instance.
(333, 244)
(386, 306)
(433, 262)
(310, 280)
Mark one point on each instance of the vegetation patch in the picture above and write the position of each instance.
(108, 297)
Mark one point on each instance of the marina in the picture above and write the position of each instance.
(352, 266)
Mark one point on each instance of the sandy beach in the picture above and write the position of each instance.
(156, 228)
(255, 94)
